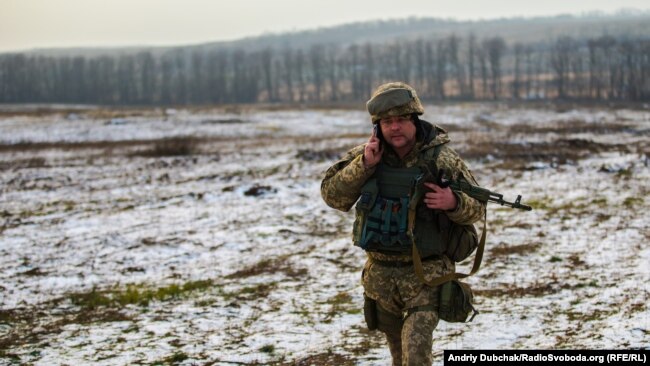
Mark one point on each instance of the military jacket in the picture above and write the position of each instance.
(343, 181)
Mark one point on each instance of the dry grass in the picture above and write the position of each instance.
(175, 146)
(30, 326)
(68, 146)
(517, 156)
(324, 359)
(571, 127)
(503, 249)
(270, 266)
(320, 155)
(36, 162)
(535, 290)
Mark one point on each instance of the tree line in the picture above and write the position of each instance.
(449, 68)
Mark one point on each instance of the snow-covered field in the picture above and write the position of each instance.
(198, 237)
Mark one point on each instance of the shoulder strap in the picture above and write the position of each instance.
(430, 157)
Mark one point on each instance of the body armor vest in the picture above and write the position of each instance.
(382, 215)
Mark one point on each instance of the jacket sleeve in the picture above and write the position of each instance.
(468, 210)
(342, 184)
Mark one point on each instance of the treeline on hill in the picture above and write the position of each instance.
(603, 68)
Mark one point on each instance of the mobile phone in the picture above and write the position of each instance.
(377, 133)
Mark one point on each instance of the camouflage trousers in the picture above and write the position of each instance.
(396, 290)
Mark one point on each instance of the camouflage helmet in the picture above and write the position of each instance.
(393, 99)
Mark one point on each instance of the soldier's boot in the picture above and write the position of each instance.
(417, 337)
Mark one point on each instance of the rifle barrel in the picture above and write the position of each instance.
(485, 195)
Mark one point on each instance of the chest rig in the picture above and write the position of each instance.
(382, 215)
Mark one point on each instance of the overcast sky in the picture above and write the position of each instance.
(29, 24)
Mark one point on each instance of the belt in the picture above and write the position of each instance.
(403, 263)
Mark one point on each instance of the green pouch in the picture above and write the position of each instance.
(370, 312)
(462, 242)
(456, 302)
(388, 322)
(379, 319)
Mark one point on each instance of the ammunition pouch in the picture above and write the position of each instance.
(370, 312)
(388, 322)
(456, 300)
(379, 319)
(385, 226)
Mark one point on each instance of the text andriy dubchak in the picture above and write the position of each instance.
(524, 358)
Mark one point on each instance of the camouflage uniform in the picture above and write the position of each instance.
(396, 289)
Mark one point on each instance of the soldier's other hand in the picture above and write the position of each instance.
(440, 198)
(372, 152)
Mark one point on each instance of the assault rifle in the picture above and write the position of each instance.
(481, 194)
(476, 192)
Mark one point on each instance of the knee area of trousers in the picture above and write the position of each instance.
(421, 321)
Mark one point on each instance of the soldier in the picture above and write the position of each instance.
(379, 175)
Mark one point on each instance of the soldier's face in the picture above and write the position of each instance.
(398, 131)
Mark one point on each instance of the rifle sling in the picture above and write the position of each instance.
(417, 260)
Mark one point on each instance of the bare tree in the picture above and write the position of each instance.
(300, 75)
(441, 68)
(355, 69)
(453, 62)
(495, 48)
(240, 81)
(217, 84)
(288, 67)
(471, 56)
(561, 55)
(369, 69)
(420, 65)
(429, 69)
(331, 70)
(316, 55)
(644, 65)
(516, 84)
(125, 74)
(483, 64)
(594, 84)
(404, 63)
(146, 65)
(266, 61)
(528, 51)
